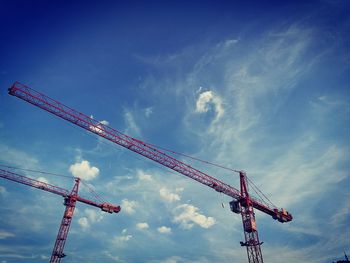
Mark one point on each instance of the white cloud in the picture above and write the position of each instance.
(131, 126)
(207, 99)
(122, 238)
(93, 215)
(43, 179)
(255, 86)
(104, 122)
(5, 234)
(83, 222)
(164, 230)
(229, 43)
(168, 196)
(84, 171)
(98, 128)
(179, 189)
(187, 214)
(128, 206)
(142, 226)
(42, 182)
(143, 176)
(148, 111)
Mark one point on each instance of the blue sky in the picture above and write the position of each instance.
(262, 87)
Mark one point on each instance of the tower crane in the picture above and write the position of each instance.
(70, 199)
(242, 202)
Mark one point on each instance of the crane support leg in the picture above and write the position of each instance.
(69, 202)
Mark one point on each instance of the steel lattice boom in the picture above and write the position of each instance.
(70, 199)
(241, 204)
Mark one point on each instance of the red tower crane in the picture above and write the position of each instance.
(242, 202)
(70, 199)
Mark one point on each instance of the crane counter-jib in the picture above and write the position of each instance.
(54, 107)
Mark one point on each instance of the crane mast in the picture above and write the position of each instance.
(70, 199)
(252, 242)
(242, 203)
(70, 202)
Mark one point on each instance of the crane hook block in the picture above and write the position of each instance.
(109, 208)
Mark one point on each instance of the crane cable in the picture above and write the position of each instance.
(36, 171)
(196, 159)
(254, 187)
(257, 191)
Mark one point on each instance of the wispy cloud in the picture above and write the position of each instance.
(143, 176)
(148, 111)
(309, 170)
(131, 126)
(84, 223)
(165, 194)
(17, 157)
(339, 219)
(122, 238)
(255, 83)
(113, 257)
(325, 106)
(5, 234)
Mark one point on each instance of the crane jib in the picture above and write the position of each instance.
(44, 102)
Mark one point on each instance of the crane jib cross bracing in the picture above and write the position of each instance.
(243, 202)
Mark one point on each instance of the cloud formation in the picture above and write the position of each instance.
(5, 234)
(142, 226)
(83, 222)
(143, 176)
(84, 171)
(165, 194)
(208, 99)
(128, 206)
(131, 125)
(187, 214)
(164, 230)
